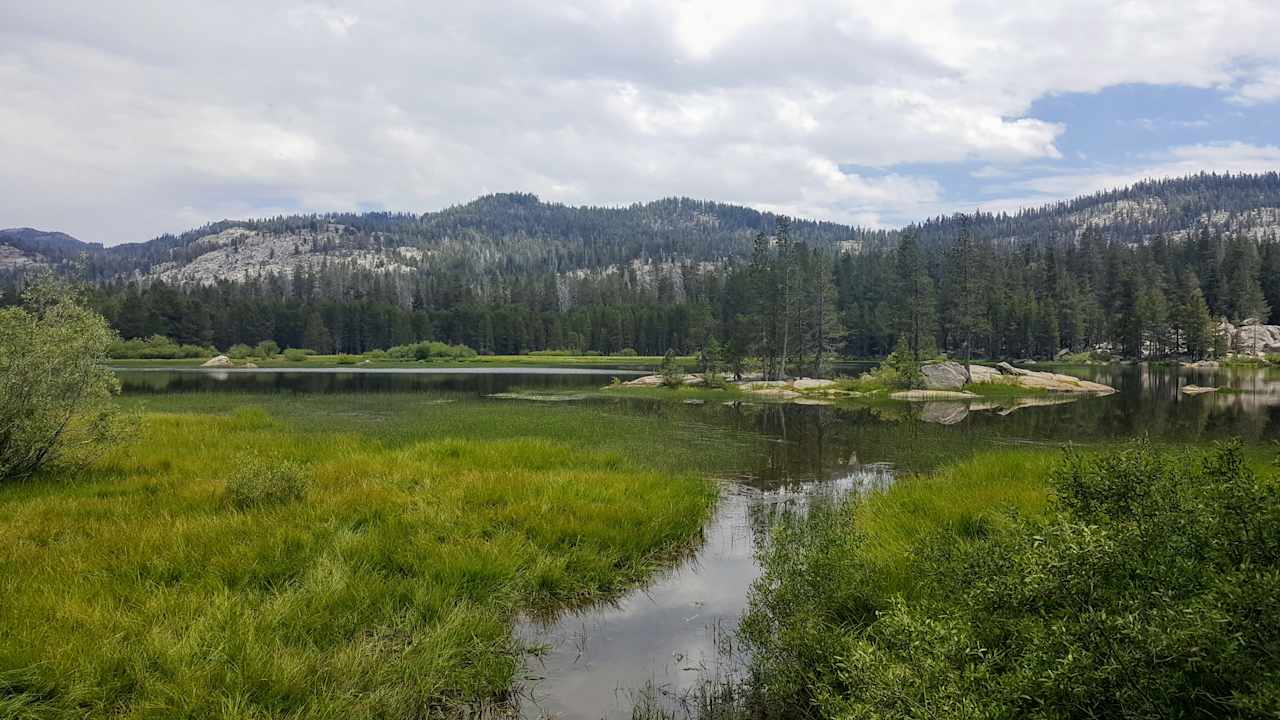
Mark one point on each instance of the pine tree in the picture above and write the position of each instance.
(916, 313)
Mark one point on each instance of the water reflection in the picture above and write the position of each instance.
(664, 640)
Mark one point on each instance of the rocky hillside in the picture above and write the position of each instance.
(509, 236)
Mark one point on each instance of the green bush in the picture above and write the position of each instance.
(239, 351)
(552, 353)
(345, 359)
(267, 349)
(430, 349)
(297, 354)
(259, 482)
(156, 347)
(55, 391)
(1148, 592)
(627, 352)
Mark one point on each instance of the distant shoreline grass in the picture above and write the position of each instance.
(386, 588)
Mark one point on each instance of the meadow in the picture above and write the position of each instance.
(331, 556)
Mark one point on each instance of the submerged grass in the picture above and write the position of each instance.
(134, 589)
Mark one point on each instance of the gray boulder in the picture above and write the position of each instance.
(944, 376)
(218, 361)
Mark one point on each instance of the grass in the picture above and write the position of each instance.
(957, 499)
(135, 589)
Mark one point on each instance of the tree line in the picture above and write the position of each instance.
(793, 305)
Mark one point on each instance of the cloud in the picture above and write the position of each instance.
(123, 122)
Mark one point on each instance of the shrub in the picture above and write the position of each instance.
(551, 353)
(259, 482)
(267, 349)
(55, 392)
(1148, 592)
(345, 359)
(296, 354)
(627, 352)
(156, 347)
(430, 349)
(239, 351)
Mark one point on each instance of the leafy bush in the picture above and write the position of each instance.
(55, 392)
(1273, 358)
(259, 482)
(430, 349)
(239, 351)
(347, 359)
(627, 352)
(1149, 592)
(156, 347)
(552, 353)
(297, 354)
(267, 349)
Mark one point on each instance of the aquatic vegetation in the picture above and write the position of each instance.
(387, 590)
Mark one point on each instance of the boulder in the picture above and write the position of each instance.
(811, 384)
(217, 361)
(1202, 365)
(250, 366)
(1197, 390)
(944, 376)
(980, 374)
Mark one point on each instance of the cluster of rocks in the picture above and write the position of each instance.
(952, 377)
(1251, 337)
(800, 390)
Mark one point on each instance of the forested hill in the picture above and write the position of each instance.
(495, 235)
(514, 234)
(1146, 270)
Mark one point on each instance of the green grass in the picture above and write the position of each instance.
(135, 589)
(956, 499)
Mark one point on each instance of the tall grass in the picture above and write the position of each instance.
(387, 590)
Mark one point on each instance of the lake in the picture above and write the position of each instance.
(659, 643)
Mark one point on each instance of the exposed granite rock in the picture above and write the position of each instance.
(944, 376)
(217, 361)
(1197, 390)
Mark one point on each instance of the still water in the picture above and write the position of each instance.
(659, 643)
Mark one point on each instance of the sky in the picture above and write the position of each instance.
(121, 121)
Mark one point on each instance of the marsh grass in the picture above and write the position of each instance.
(386, 590)
(962, 500)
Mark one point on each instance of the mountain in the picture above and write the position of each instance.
(1145, 271)
(501, 236)
(22, 248)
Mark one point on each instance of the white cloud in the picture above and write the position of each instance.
(122, 122)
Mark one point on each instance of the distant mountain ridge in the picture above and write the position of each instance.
(514, 234)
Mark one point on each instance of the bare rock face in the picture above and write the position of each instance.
(981, 374)
(944, 376)
(217, 361)
(811, 384)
